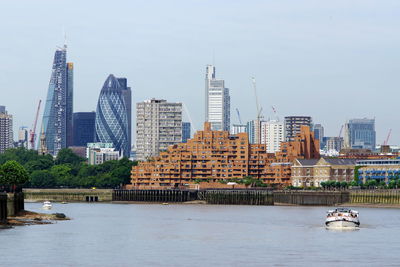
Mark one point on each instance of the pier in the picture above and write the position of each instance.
(237, 197)
(3, 208)
(155, 195)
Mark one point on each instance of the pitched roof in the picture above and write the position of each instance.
(308, 162)
(337, 161)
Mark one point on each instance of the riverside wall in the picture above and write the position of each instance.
(316, 198)
(384, 197)
(68, 195)
(218, 196)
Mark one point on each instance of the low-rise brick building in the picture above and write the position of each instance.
(216, 155)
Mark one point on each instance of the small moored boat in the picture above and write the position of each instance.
(47, 205)
(342, 218)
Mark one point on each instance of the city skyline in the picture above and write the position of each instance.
(311, 55)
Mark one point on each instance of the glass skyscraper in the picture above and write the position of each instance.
(57, 116)
(217, 102)
(83, 128)
(185, 131)
(127, 94)
(360, 133)
(111, 125)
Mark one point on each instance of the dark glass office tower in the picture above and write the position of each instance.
(57, 116)
(111, 125)
(83, 132)
(127, 94)
(185, 131)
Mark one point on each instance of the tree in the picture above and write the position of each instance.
(66, 155)
(13, 174)
(42, 163)
(62, 174)
(42, 179)
(354, 183)
(20, 155)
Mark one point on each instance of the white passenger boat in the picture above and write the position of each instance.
(342, 218)
(47, 205)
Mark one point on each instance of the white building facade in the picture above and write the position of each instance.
(217, 102)
(98, 153)
(272, 134)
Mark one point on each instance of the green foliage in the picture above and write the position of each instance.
(43, 163)
(13, 174)
(42, 179)
(394, 183)
(67, 170)
(334, 185)
(67, 156)
(354, 183)
(356, 175)
(62, 174)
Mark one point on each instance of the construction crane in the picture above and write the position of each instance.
(257, 128)
(189, 117)
(32, 132)
(259, 109)
(275, 113)
(387, 138)
(238, 114)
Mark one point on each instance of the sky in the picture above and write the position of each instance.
(332, 60)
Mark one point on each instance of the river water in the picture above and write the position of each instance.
(200, 235)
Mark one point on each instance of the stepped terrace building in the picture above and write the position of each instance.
(214, 156)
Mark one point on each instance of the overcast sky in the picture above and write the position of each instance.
(332, 60)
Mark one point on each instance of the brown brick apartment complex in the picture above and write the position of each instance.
(213, 156)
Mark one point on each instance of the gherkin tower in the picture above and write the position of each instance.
(112, 118)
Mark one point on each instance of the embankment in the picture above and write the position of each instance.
(68, 195)
(221, 196)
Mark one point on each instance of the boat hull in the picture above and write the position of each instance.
(342, 224)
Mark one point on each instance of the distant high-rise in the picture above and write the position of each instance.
(22, 137)
(70, 103)
(238, 128)
(127, 94)
(217, 102)
(251, 129)
(360, 133)
(293, 125)
(272, 135)
(158, 125)
(111, 124)
(6, 130)
(57, 116)
(332, 143)
(319, 132)
(83, 125)
(185, 131)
